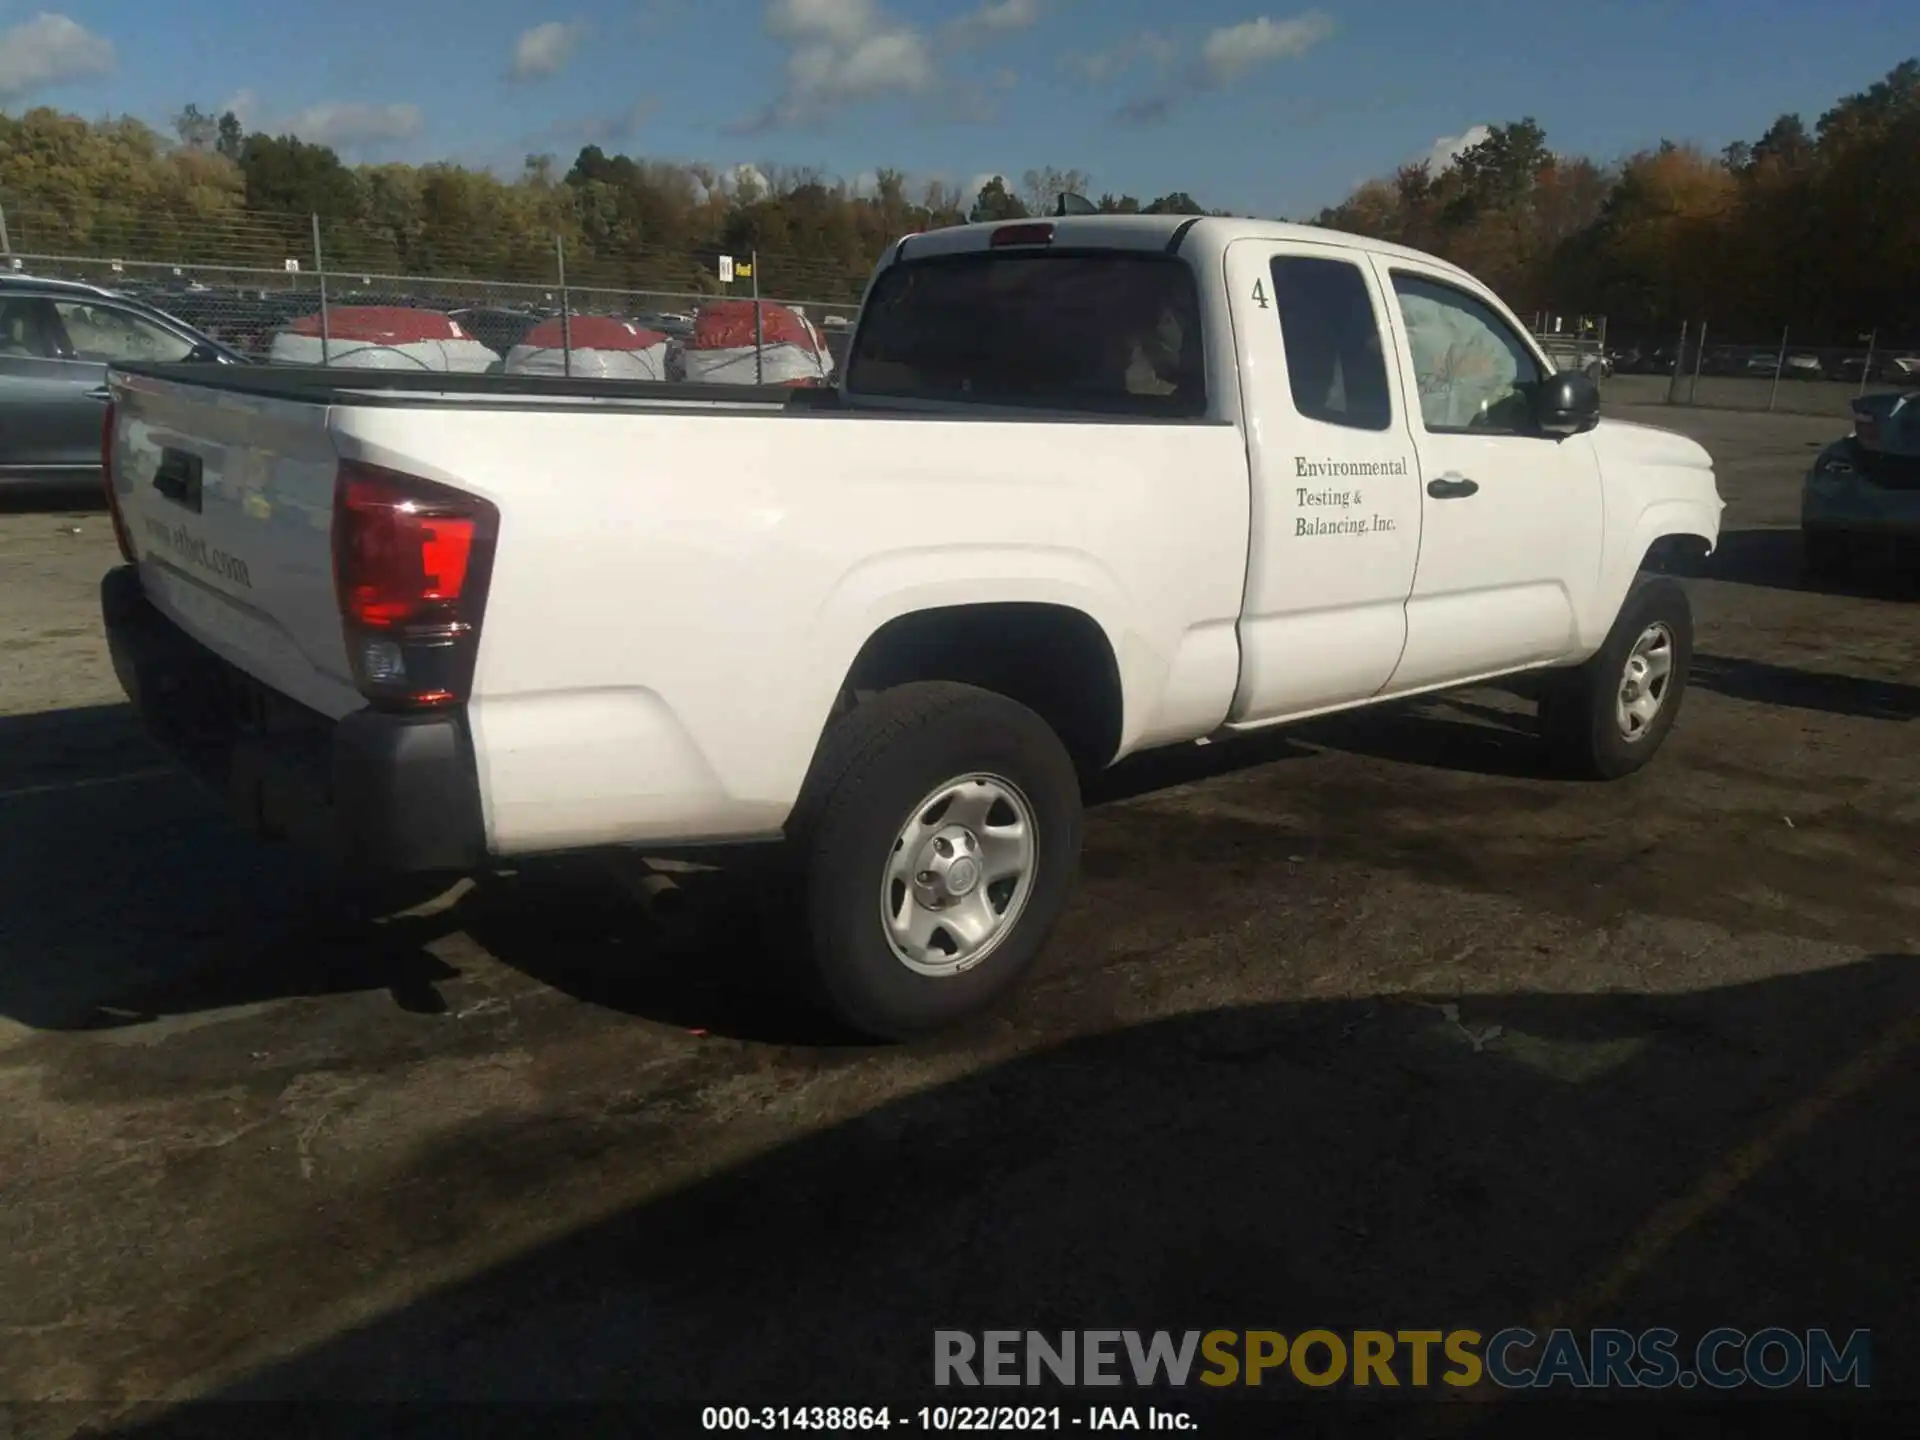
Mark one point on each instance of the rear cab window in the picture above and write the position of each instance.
(1101, 332)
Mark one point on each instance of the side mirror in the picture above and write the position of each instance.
(1566, 403)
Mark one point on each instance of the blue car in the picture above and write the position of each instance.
(1862, 492)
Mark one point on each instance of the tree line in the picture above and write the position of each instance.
(1813, 226)
(213, 194)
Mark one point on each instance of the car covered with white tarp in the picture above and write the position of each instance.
(381, 337)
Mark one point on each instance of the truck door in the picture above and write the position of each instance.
(1511, 535)
(1336, 484)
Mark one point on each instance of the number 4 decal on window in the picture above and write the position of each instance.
(1259, 294)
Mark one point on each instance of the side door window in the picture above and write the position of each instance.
(107, 335)
(1335, 364)
(1474, 374)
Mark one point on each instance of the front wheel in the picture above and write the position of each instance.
(1609, 717)
(939, 847)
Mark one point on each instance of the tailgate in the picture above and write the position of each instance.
(228, 503)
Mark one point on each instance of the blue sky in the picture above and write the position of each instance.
(1269, 109)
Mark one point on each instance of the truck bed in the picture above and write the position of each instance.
(427, 389)
(321, 385)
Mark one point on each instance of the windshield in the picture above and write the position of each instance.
(1101, 332)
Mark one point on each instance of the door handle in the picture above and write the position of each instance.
(103, 393)
(1452, 487)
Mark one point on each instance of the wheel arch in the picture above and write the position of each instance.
(1054, 658)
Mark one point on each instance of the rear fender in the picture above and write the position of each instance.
(886, 587)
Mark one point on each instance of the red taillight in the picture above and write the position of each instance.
(411, 562)
(1022, 235)
(120, 535)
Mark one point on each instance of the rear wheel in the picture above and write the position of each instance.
(939, 841)
(1610, 716)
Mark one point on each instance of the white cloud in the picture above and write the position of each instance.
(610, 128)
(348, 124)
(51, 50)
(1233, 50)
(623, 125)
(245, 105)
(841, 52)
(979, 182)
(1147, 48)
(544, 51)
(994, 17)
(1226, 55)
(1447, 149)
(341, 124)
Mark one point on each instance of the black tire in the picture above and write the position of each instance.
(1825, 554)
(1578, 723)
(878, 762)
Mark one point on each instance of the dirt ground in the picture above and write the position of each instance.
(1366, 1025)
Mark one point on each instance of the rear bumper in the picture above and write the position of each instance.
(381, 791)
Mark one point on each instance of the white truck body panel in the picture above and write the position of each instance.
(663, 643)
(267, 484)
(680, 588)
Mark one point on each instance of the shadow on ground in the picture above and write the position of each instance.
(1736, 1157)
(1774, 559)
(190, 915)
(1766, 684)
(127, 895)
(67, 500)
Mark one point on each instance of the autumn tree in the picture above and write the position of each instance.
(1815, 225)
(996, 202)
(1040, 190)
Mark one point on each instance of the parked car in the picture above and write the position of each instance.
(1644, 360)
(242, 320)
(1041, 523)
(1893, 369)
(1863, 490)
(57, 338)
(1797, 365)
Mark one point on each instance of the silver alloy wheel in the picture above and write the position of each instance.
(959, 874)
(1644, 682)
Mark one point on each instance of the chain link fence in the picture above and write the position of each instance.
(277, 296)
(1779, 374)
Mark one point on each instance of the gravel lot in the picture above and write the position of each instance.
(1365, 1025)
(1832, 399)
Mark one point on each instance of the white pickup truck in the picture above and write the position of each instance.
(1087, 486)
